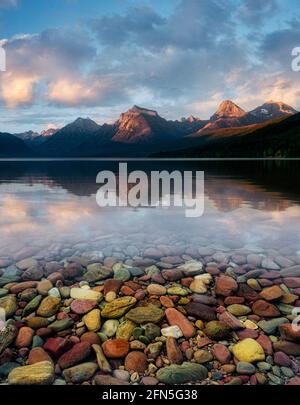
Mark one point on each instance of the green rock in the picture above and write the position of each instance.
(238, 309)
(122, 274)
(141, 315)
(6, 368)
(264, 366)
(37, 341)
(271, 326)
(3, 292)
(152, 331)
(235, 381)
(285, 309)
(287, 372)
(9, 304)
(96, 272)
(144, 339)
(216, 330)
(62, 324)
(32, 305)
(102, 337)
(80, 373)
(245, 368)
(137, 332)
(181, 374)
(274, 379)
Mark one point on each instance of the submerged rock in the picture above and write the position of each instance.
(180, 374)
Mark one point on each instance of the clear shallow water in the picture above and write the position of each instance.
(50, 207)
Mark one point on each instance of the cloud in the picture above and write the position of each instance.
(17, 89)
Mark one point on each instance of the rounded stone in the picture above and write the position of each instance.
(249, 351)
(115, 348)
(136, 361)
(49, 306)
(92, 320)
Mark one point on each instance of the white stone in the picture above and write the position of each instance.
(172, 331)
(85, 294)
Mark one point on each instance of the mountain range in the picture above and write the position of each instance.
(272, 128)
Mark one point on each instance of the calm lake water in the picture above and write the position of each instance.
(50, 206)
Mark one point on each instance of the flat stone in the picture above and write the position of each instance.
(271, 326)
(200, 311)
(136, 361)
(118, 307)
(264, 308)
(9, 304)
(115, 348)
(181, 374)
(49, 306)
(141, 315)
(80, 373)
(85, 294)
(273, 293)
(225, 286)
(238, 309)
(36, 374)
(175, 317)
(245, 368)
(77, 354)
(81, 307)
(172, 331)
(92, 320)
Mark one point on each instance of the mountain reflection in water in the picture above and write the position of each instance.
(246, 203)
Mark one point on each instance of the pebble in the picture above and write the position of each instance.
(118, 307)
(150, 313)
(41, 373)
(180, 374)
(49, 306)
(136, 361)
(176, 318)
(92, 320)
(85, 294)
(110, 327)
(115, 348)
(249, 351)
(172, 331)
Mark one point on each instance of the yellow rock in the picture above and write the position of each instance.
(254, 284)
(289, 298)
(49, 306)
(125, 330)
(248, 350)
(199, 324)
(118, 307)
(250, 325)
(41, 373)
(92, 320)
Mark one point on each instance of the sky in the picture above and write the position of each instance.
(97, 58)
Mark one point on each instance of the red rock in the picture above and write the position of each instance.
(247, 333)
(24, 337)
(234, 300)
(247, 292)
(230, 320)
(81, 307)
(292, 282)
(186, 281)
(221, 353)
(225, 286)
(294, 381)
(90, 337)
(271, 293)
(174, 353)
(56, 346)
(172, 274)
(17, 288)
(149, 381)
(72, 271)
(288, 332)
(44, 332)
(202, 342)
(136, 361)
(115, 348)
(77, 354)
(54, 277)
(140, 295)
(133, 285)
(112, 285)
(265, 309)
(38, 354)
(266, 344)
(125, 290)
(166, 302)
(175, 317)
(282, 359)
(253, 380)
(287, 347)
